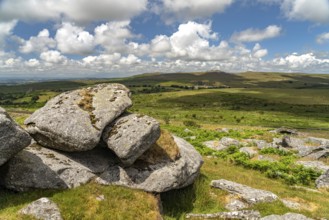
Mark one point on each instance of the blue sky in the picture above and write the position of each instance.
(109, 38)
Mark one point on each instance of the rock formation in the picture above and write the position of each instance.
(13, 138)
(74, 121)
(69, 152)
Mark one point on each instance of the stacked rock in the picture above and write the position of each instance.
(70, 131)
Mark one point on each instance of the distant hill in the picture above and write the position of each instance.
(206, 79)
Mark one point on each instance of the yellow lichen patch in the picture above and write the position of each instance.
(86, 103)
(164, 149)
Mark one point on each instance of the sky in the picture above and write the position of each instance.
(111, 38)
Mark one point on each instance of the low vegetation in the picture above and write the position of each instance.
(196, 107)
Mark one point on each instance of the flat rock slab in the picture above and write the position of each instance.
(41, 168)
(131, 135)
(43, 209)
(13, 138)
(248, 194)
(288, 216)
(244, 214)
(323, 181)
(316, 165)
(74, 121)
(158, 177)
(234, 204)
(318, 155)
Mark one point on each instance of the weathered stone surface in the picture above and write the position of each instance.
(318, 155)
(131, 135)
(303, 146)
(41, 168)
(13, 138)
(249, 151)
(323, 180)
(234, 204)
(287, 216)
(223, 144)
(291, 204)
(244, 214)
(317, 165)
(261, 144)
(285, 131)
(248, 194)
(43, 209)
(74, 121)
(158, 177)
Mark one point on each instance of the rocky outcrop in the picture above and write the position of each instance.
(248, 194)
(41, 168)
(131, 135)
(43, 209)
(244, 214)
(158, 177)
(89, 110)
(13, 138)
(304, 146)
(323, 181)
(287, 216)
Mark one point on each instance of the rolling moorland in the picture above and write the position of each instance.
(199, 107)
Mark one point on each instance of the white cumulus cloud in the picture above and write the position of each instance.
(73, 10)
(253, 35)
(6, 29)
(312, 10)
(40, 43)
(52, 57)
(192, 9)
(72, 39)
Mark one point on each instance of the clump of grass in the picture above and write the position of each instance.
(164, 149)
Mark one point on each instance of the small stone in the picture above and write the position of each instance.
(323, 181)
(43, 209)
(100, 198)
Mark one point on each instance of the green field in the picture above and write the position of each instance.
(251, 104)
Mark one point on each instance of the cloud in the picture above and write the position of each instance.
(322, 38)
(192, 9)
(74, 40)
(316, 10)
(74, 10)
(258, 52)
(253, 35)
(40, 43)
(113, 36)
(303, 62)
(6, 29)
(32, 63)
(53, 57)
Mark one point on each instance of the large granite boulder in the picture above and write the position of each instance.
(41, 168)
(13, 138)
(131, 135)
(74, 121)
(43, 209)
(248, 194)
(158, 177)
(304, 146)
